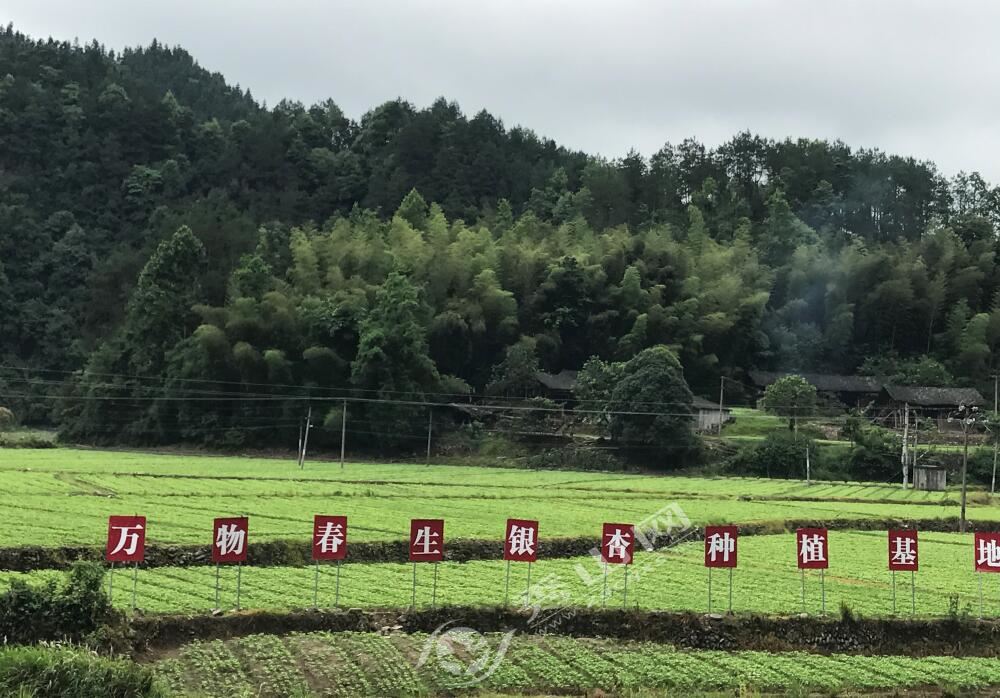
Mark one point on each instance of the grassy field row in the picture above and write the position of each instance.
(359, 664)
(63, 497)
(767, 581)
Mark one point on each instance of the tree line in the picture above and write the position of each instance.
(161, 229)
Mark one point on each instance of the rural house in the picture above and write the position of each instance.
(853, 391)
(935, 403)
(708, 414)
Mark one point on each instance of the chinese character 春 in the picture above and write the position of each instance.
(230, 539)
(330, 538)
(128, 539)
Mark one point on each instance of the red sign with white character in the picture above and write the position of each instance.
(987, 552)
(903, 551)
(617, 543)
(329, 537)
(812, 548)
(720, 546)
(426, 540)
(126, 539)
(229, 540)
(520, 543)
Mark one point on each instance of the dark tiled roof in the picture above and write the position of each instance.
(701, 403)
(940, 397)
(824, 382)
(564, 380)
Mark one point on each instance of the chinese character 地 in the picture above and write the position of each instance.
(521, 540)
(720, 544)
(330, 538)
(230, 539)
(427, 539)
(128, 539)
(989, 553)
(811, 548)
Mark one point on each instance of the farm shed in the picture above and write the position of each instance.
(854, 391)
(928, 402)
(930, 477)
(708, 415)
(556, 386)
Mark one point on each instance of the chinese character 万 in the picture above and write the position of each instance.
(521, 540)
(720, 544)
(811, 548)
(230, 539)
(128, 539)
(428, 539)
(330, 537)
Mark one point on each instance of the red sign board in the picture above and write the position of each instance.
(903, 551)
(987, 552)
(520, 542)
(329, 537)
(229, 540)
(126, 539)
(426, 540)
(617, 543)
(812, 548)
(720, 546)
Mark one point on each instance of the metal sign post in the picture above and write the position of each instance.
(625, 589)
(913, 594)
(604, 596)
(316, 587)
(527, 589)
(506, 588)
(802, 572)
(336, 593)
(135, 584)
(709, 589)
(893, 573)
(822, 590)
(413, 600)
(216, 586)
(434, 587)
(980, 575)
(730, 591)
(239, 578)
(111, 584)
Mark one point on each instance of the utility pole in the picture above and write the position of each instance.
(968, 416)
(808, 479)
(722, 393)
(305, 440)
(343, 432)
(996, 437)
(430, 427)
(906, 441)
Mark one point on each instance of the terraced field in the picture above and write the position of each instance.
(357, 664)
(55, 497)
(767, 581)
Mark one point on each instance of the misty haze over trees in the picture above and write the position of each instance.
(158, 223)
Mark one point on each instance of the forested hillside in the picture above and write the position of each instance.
(159, 227)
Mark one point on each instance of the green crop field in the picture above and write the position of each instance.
(359, 664)
(56, 497)
(767, 581)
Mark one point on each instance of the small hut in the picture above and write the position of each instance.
(930, 477)
(709, 417)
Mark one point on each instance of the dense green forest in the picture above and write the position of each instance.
(161, 230)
